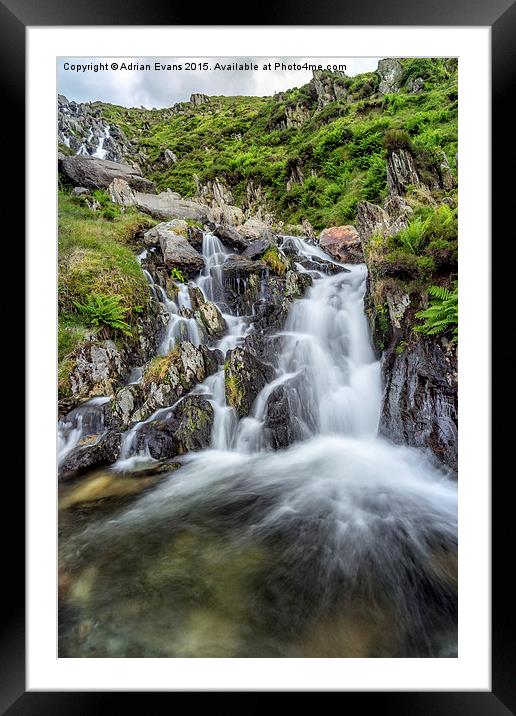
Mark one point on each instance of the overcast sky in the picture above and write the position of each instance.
(164, 88)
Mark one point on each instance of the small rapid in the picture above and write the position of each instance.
(342, 544)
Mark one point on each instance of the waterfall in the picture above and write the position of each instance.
(342, 539)
(100, 152)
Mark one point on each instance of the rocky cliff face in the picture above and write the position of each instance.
(419, 373)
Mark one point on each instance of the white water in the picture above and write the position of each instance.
(348, 523)
(100, 152)
(87, 419)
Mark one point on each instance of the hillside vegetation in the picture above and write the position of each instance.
(333, 155)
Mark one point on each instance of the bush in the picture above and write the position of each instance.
(442, 315)
(100, 310)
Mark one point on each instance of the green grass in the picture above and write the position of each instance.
(96, 257)
(343, 144)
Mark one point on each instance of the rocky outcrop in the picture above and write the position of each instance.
(245, 376)
(219, 198)
(93, 451)
(328, 86)
(197, 98)
(373, 220)
(187, 429)
(98, 367)
(296, 284)
(256, 249)
(166, 206)
(82, 128)
(94, 173)
(168, 378)
(420, 398)
(401, 172)
(342, 242)
(231, 238)
(287, 417)
(176, 250)
(391, 74)
(207, 313)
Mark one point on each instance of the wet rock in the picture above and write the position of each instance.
(231, 238)
(342, 242)
(187, 429)
(124, 404)
(316, 264)
(177, 252)
(296, 284)
(391, 73)
(168, 378)
(103, 450)
(420, 399)
(94, 173)
(245, 376)
(97, 369)
(288, 417)
(195, 238)
(165, 206)
(401, 171)
(211, 318)
(257, 248)
(242, 280)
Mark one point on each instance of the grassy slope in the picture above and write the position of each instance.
(342, 144)
(95, 256)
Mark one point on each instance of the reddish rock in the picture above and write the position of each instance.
(343, 243)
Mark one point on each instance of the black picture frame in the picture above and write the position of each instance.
(500, 16)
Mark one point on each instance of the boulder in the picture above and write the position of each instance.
(97, 369)
(168, 378)
(94, 451)
(342, 242)
(391, 73)
(121, 193)
(124, 404)
(231, 238)
(177, 251)
(256, 229)
(196, 237)
(94, 173)
(257, 248)
(165, 206)
(245, 376)
(176, 226)
(288, 418)
(211, 318)
(296, 284)
(80, 191)
(188, 428)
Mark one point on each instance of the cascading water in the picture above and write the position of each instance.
(340, 545)
(100, 152)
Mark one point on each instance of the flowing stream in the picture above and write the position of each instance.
(341, 545)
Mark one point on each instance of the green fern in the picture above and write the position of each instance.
(101, 310)
(442, 315)
(177, 274)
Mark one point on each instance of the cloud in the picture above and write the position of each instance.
(152, 88)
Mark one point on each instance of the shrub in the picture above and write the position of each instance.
(100, 310)
(442, 315)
